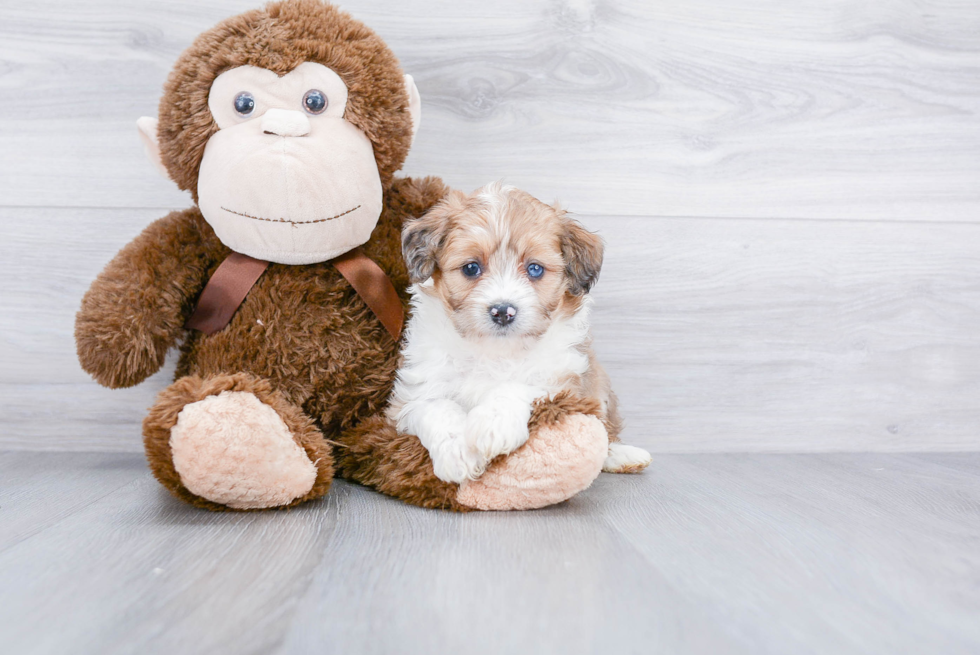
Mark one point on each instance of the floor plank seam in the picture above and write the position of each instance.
(70, 513)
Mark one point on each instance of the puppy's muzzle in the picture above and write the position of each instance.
(503, 314)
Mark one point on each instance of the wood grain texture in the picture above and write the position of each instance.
(753, 554)
(707, 108)
(38, 493)
(819, 554)
(137, 572)
(719, 335)
(755, 335)
(792, 335)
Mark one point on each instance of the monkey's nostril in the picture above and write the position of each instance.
(503, 314)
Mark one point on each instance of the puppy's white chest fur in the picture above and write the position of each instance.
(439, 363)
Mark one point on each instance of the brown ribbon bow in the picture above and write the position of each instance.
(238, 273)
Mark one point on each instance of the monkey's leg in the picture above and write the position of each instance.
(231, 442)
(563, 455)
(377, 456)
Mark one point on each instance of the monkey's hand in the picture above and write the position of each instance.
(135, 310)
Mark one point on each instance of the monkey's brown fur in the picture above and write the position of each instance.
(377, 455)
(190, 389)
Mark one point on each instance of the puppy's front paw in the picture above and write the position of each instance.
(626, 459)
(453, 461)
(493, 430)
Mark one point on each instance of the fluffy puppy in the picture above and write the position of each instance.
(500, 318)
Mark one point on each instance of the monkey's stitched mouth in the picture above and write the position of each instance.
(283, 220)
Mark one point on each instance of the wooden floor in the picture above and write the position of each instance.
(706, 553)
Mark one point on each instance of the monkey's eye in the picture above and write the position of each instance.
(244, 103)
(315, 101)
(535, 270)
(472, 269)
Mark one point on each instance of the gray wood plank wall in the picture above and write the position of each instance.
(790, 193)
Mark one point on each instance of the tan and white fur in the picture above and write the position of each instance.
(500, 318)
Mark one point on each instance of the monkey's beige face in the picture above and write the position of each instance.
(286, 178)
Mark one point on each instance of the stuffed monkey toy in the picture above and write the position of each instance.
(284, 285)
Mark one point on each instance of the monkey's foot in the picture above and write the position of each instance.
(231, 442)
(234, 450)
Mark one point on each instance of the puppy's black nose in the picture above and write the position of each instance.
(503, 314)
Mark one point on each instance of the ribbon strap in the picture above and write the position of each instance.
(225, 292)
(238, 273)
(374, 288)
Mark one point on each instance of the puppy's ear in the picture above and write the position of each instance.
(423, 238)
(582, 252)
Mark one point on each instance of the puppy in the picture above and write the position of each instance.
(500, 318)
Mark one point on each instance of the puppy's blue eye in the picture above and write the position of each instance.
(244, 103)
(472, 269)
(315, 101)
(535, 270)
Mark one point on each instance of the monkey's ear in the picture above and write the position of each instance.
(414, 104)
(147, 126)
(582, 252)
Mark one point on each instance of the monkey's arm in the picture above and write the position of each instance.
(135, 309)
